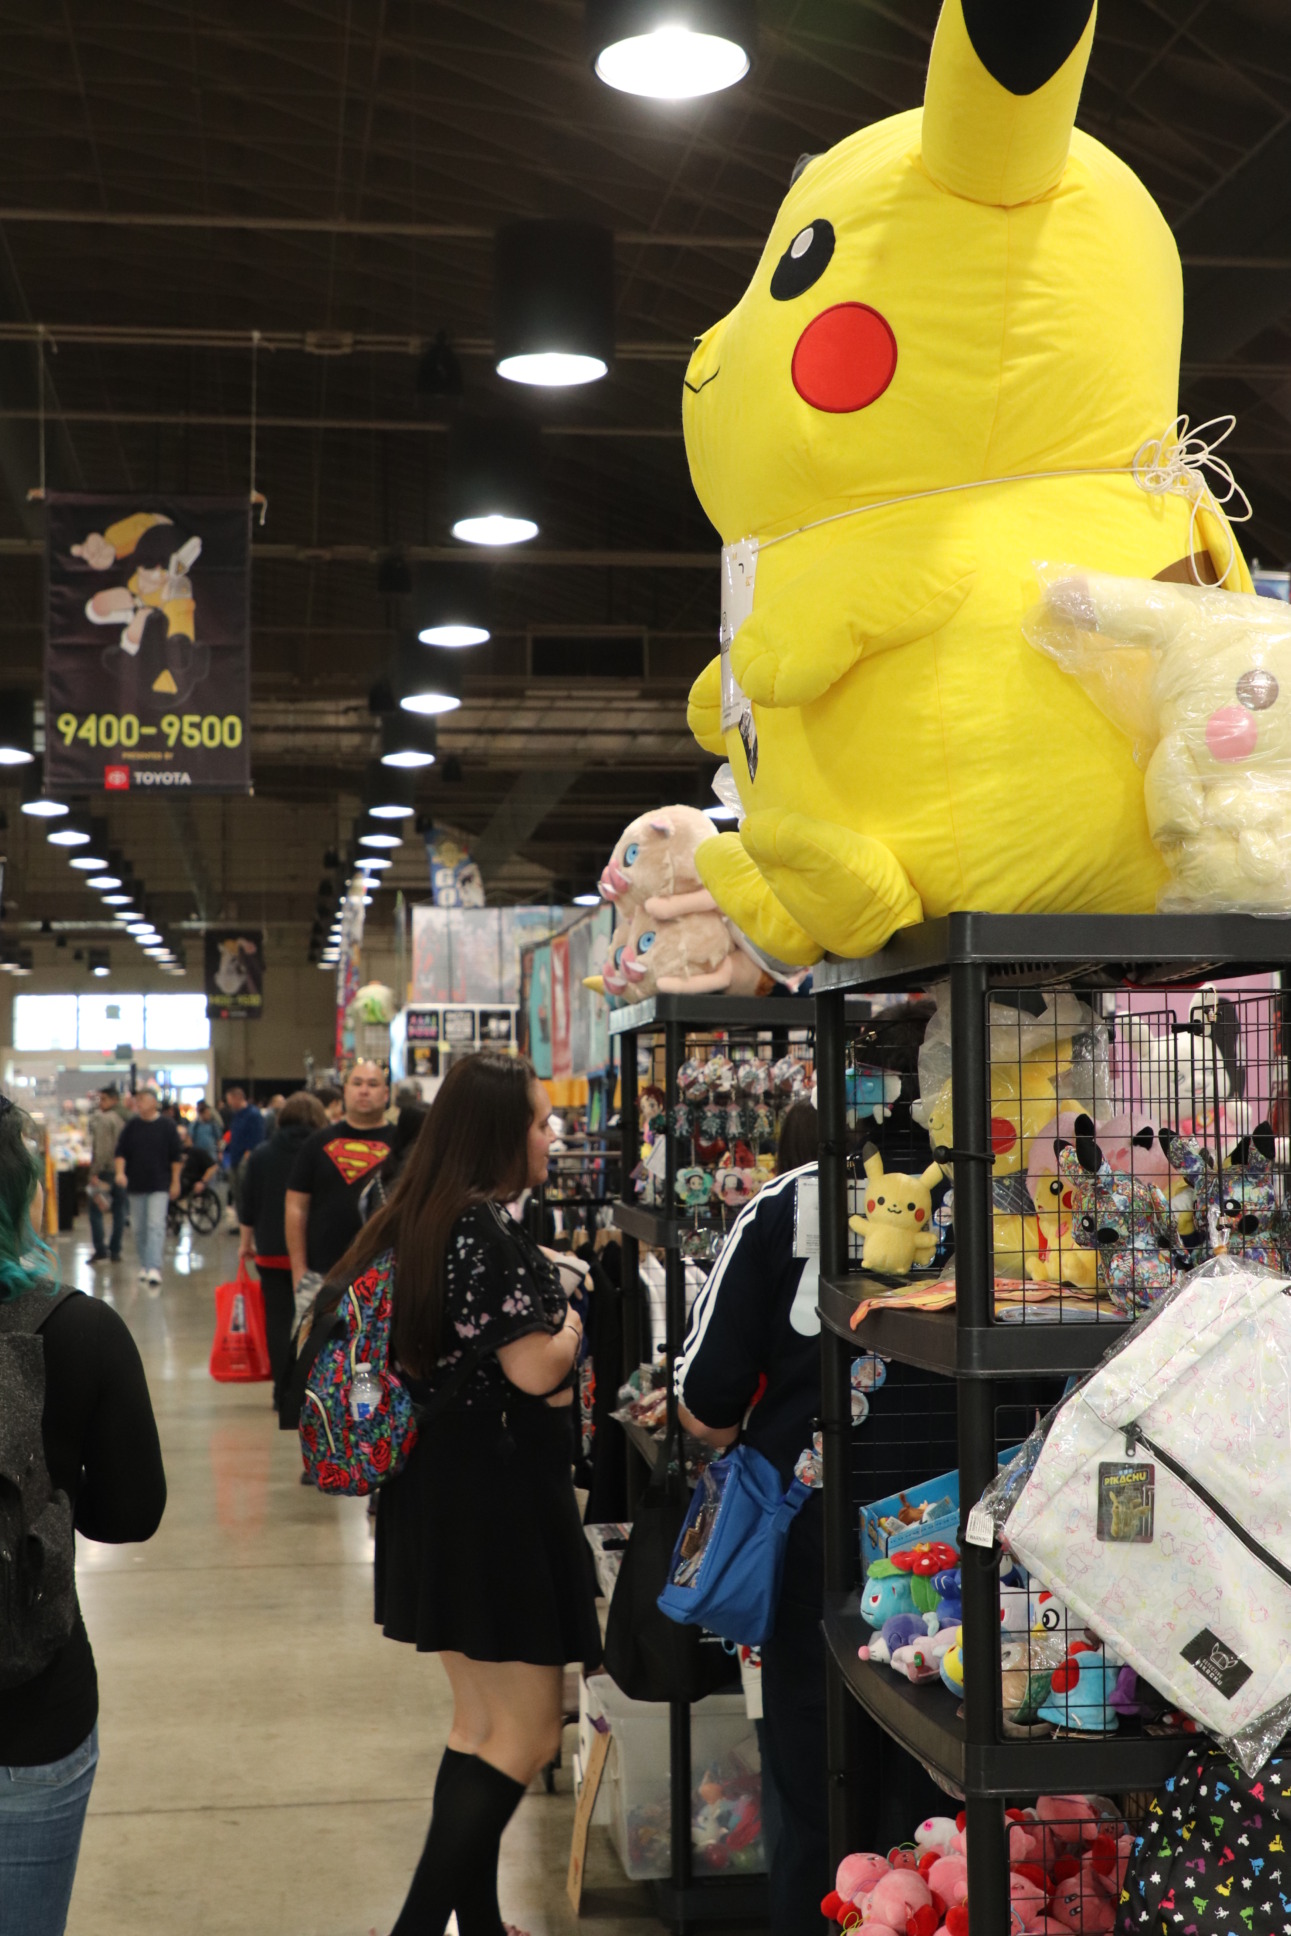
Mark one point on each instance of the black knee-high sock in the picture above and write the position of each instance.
(458, 1869)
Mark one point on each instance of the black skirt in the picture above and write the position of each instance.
(479, 1550)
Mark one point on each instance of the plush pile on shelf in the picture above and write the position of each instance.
(669, 937)
(1067, 1861)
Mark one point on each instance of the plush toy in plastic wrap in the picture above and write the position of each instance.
(1200, 681)
(928, 384)
(1124, 1219)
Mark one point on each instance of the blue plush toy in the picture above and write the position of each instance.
(1081, 1700)
(887, 1591)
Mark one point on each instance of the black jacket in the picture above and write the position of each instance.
(264, 1187)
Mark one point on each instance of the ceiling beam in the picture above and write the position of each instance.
(368, 555)
(521, 814)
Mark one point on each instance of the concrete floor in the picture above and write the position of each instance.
(268, 1759)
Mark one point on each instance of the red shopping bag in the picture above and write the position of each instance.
(240, 1353)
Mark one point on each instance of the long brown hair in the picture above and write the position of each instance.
(472, 1146)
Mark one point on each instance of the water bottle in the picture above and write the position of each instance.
(365, 1393)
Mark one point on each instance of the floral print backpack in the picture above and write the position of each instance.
(357, 1421)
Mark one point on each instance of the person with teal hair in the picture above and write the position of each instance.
(79, 1426)
(26, 1260)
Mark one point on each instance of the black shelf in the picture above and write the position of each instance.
(650, 1226)
(935, 1341)
(926, 1722)
(643, 1439)
(1098, 950)
(723, 1899)
(716, 1012)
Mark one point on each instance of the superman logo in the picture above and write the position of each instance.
(354, 1158)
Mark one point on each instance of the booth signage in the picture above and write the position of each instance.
(422, 1025)
(147, 681)
(459, 1026)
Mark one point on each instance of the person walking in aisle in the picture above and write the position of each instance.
(331, 1168)
(332, 1100)
(261, 1212)
(98, 1443)
(490, 1571)
(750, 1369)
(106, 1125)
(149, 1157)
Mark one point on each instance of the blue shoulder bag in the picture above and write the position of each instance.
(726, 1565)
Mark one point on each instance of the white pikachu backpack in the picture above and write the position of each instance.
(1155, 1501)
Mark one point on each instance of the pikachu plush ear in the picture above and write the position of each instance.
(1000, 102)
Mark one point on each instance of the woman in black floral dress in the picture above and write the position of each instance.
(480, 1557)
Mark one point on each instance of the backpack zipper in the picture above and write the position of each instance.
(1136, 1436)
(321, 1409)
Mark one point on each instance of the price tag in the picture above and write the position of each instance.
(980, 1530)
(806, 1218)
(739, 574)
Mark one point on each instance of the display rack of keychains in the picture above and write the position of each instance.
(1104, 1026)
(705, 1082)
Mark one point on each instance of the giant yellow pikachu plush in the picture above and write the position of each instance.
(950, 302)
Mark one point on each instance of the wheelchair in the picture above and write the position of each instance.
(200, 1209)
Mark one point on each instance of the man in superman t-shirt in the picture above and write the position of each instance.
(322, 1208)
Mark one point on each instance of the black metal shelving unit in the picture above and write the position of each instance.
(682, 1899)
(976, 953)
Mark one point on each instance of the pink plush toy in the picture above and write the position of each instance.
(1081, 1905)
(895, 1898)
(1028, 1901)
(858, 1874)
(948, 1878)
(653, 864)
(1066, 1822)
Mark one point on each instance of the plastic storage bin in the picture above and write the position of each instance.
(726, 1784)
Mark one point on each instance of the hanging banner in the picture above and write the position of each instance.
(349, 963)
(234, 974)
(147, 661)
(455, 880)
(561, 1065)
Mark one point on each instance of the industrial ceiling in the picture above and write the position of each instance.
(293, 202)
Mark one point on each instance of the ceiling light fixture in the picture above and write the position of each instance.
(452, 605)
(407, 743)
(671, 50)
(587, 900)
(375, 839)
(493, 479)
(553, 302)
(720, 811)
(428, 683)
(103, 882)
(389, 792)
(35, 802)
(367, 862)
(100, 961)
(117, 901)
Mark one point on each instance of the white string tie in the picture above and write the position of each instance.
(1177, 462)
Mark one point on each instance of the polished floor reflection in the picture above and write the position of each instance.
(267, 1758)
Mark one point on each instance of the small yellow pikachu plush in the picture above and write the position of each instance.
(898, 1216)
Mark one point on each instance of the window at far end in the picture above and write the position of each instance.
(176, 1022)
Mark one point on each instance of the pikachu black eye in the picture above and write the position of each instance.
(804, 261)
